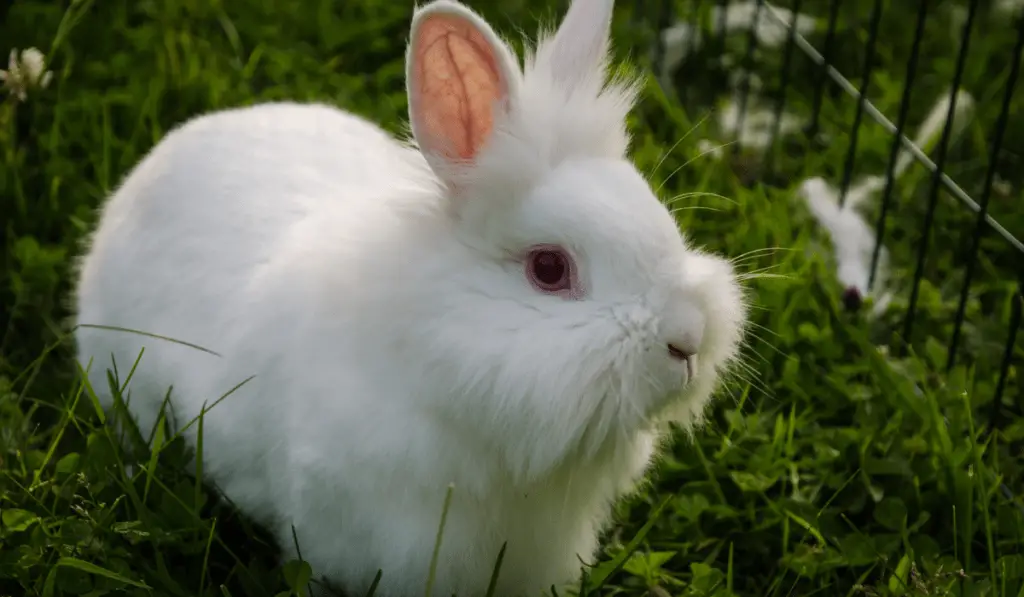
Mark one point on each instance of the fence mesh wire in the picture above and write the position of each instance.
(863, 74)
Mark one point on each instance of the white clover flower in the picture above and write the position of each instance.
(25, 72)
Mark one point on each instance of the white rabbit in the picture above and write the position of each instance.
(505, 306)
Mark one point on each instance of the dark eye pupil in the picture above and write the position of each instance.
(549, 267)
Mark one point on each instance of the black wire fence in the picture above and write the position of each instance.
(876, 58)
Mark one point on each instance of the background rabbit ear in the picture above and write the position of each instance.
(461, 79)
(580, 46)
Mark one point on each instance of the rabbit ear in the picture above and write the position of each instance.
(580, 45)
(460, 78)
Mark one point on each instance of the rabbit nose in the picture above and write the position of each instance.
(676, 351)
(684, 336)
(687, 356)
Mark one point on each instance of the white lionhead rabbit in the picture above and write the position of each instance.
(505, 306)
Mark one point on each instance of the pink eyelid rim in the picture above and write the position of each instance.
(575, 291)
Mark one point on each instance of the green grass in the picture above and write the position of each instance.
(831, 466)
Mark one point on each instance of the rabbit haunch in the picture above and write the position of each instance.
(382, 295)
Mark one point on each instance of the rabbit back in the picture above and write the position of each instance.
(210, 241)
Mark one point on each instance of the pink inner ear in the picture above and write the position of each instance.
(457, 85)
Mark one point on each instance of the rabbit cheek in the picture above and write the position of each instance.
(649, 374)
(667, 379)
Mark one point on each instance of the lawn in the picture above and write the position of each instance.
(834, 462)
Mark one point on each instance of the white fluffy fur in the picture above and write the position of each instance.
(396, 343)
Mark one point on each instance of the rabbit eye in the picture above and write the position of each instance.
(550, 269)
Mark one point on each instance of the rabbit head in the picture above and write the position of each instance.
(575, 314)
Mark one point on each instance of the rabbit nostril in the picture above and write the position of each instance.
(678, 353)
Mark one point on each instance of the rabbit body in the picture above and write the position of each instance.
(198, 245)
(395, 308)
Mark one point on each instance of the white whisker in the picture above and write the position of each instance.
(690, 194)
(760, 276)
(690, 161)
(757, 253)
(676, 144)
(691, 207)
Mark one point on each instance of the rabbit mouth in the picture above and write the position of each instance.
(691, 370)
